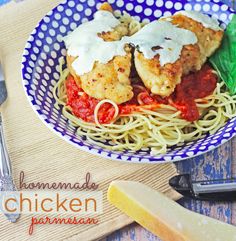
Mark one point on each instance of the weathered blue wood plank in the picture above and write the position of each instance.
(4, 2)
(219, 163)
(213, 165)
(233, 206)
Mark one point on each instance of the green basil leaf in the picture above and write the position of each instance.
(224, 59)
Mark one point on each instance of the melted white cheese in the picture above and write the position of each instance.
(169, 38)
(204, 19)
(85, 44)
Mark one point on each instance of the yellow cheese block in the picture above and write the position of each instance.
(164, 217)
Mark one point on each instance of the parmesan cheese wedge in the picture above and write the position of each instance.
(164, 217)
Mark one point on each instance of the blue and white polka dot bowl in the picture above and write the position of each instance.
(40, 70)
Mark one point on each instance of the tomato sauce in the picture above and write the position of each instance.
(83, 105)
(193, 86)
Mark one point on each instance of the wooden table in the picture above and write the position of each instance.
(217, 164)
(220, 163)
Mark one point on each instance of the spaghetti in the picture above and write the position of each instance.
(154, 128)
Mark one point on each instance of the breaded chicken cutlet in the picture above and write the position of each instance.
(112, 80)
(162, 80)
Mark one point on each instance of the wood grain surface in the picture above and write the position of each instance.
(43, 156)
(220, 163)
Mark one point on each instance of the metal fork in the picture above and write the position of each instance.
(6, 181)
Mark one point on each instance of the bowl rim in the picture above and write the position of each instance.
(144, 160)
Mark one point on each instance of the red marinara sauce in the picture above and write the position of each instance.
(83, 105)
(194, 86)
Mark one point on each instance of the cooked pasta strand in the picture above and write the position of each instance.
(155, 129)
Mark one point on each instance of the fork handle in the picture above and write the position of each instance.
(5, 167)
(6, 181)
